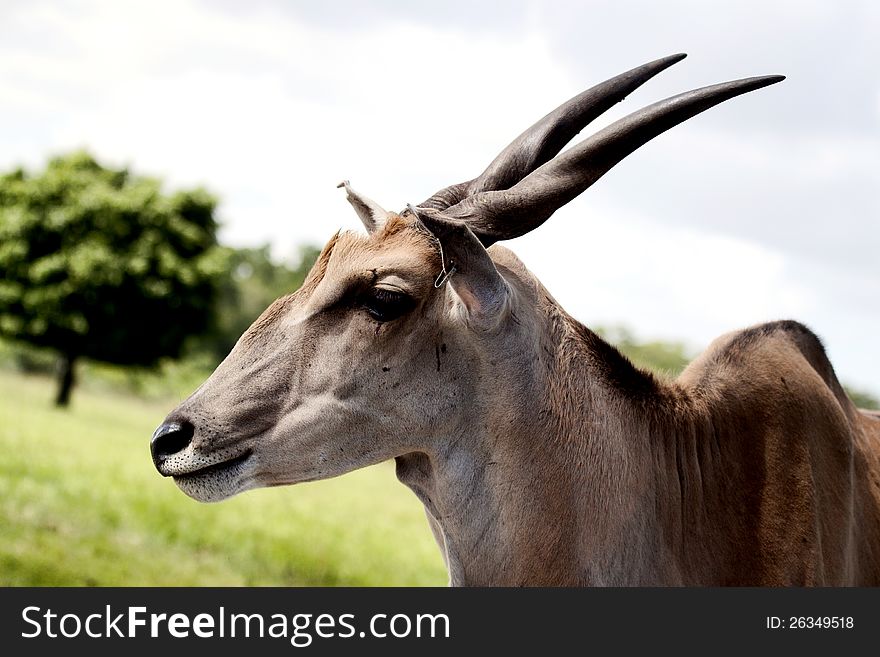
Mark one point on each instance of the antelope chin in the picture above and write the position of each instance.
(217, 482)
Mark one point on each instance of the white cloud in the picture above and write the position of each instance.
(271, 112)
(610, 266)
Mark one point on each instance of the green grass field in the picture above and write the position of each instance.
(80, 504)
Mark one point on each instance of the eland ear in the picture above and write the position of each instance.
(467, 269)
(371, 213)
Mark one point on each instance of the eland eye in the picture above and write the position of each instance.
(386, 305)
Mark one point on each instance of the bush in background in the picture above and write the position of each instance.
(98, 263)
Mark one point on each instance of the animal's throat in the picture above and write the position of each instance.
(416, 472)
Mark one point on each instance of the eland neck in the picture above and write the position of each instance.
(528, 491)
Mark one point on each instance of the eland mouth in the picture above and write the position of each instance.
(208, 470)
(216, 481)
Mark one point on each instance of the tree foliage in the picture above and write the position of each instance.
(96, 262)
(251, 281)
(862, 399)
(667, 357)
(672, 357)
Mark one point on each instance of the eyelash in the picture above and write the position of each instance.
(386, 305)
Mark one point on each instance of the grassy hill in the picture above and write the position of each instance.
(80, 504)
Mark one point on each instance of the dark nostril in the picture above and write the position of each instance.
(169, 439)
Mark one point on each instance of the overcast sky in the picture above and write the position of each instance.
(763, 208)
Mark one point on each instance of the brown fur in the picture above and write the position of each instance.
(754, 458)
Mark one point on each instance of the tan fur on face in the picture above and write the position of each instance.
(400, 244)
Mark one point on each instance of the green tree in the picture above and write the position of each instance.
(98, 263)
(251, 281)
(672, 357)
(667, 357)
(862, 399)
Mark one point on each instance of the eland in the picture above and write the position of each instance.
(542, 456)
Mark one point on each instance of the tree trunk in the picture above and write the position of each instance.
(66, 379)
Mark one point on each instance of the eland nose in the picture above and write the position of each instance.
(169, 439)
